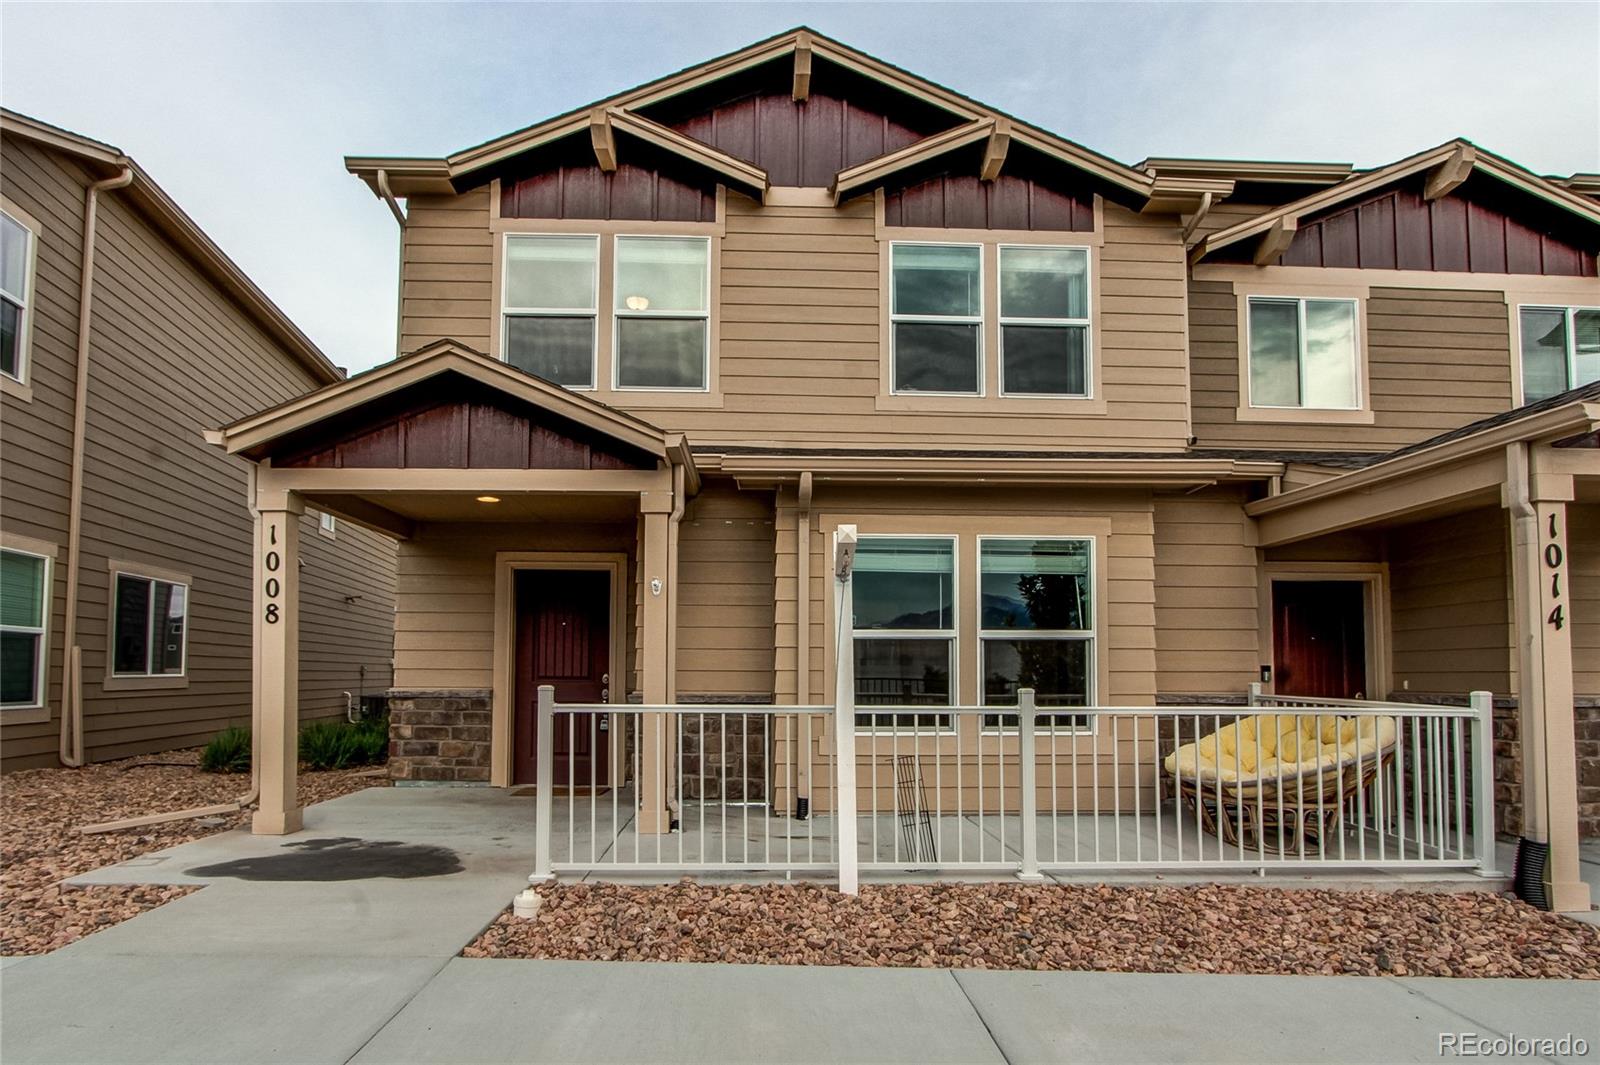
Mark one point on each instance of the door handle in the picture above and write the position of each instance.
(605, 678)
(605, 695)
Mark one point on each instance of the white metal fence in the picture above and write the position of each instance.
(1281, 783)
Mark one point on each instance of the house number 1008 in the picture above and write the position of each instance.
(1553, 557)
(273, 562)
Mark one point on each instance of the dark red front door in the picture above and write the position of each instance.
(563, 639)
(1319, 639)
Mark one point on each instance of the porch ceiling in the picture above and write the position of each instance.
(528, 507)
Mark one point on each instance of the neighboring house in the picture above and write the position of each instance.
(126, 540)
(1249, 420)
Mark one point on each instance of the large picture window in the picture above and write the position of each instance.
(1036, 625)
(1560, 349)
(550, 310)
(1044, 321)
(1303, 353)
(663, 307)
(149, 623)
(24, 621)
(904, 627)
(936, 318)
(16, 261)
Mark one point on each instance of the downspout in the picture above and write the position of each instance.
(1533, 850)
(71, 746)
(802, 638)
(400, 266)
(674, 808)
(250, 796)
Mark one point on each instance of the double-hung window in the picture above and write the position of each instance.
(1303, 353)
(904, 628)
(663, 308)
(1044, 321)
(550, 306)
(936, 318)
(149, 622)
(1035, 625)
(1560, 349)
(24, 620)
(16, 259)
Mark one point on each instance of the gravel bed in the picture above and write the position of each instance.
(1211, 928)
(41, 808)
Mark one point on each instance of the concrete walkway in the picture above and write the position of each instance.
(267, 965)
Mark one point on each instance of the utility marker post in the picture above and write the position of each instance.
(844, 708)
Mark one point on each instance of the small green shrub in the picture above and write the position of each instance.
(228, 752)
(340, 744)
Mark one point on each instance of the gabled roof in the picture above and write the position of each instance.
(407, 176)
(253, 434)
(1448, 165)
(152, 200)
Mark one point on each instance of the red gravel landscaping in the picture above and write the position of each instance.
(40, 808)
(1220, 929)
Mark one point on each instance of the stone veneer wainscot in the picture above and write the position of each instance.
(440, 736)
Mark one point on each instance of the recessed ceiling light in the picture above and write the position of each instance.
(488, 499)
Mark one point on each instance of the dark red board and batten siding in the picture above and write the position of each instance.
(1476, 232)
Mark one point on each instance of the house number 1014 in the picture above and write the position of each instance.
(273, 561)
(1553, 557)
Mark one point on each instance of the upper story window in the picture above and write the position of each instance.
(936, 318)
(1560, 349)
(1044, 321)
(16, 263)
(549, 303)
(1303, 353)
(24, 622)
(663, 309)
(149, 622)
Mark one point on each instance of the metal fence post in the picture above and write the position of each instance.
(1254, 698)
(1028, 798)
(545, 738)
(1483, 782)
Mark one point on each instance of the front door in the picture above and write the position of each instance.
(1319, 639)
(563, 639)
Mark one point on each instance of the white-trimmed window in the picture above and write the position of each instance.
(1560, 349)
(663, 313)
(24, 624)
(936, 318)
(1036, 624)
(549, 306)
(16, 292)
(149, 626)
(1044, 320)
(904, 629)
(1303, 353)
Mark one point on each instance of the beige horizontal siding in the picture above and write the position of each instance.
(171, 357)
(446, 262)
(1207, 629)
(1449, 594)
(726, 555)
(1437, 359)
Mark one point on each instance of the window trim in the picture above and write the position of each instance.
(1248, 385)
(1086, 322)
(617, 315)
(1243, 292)
(41, 696)
(115, 681)
(979, 320)
(951, 636)
(1090, 636)
(508, 312)
(21, 386)
(1570, 310)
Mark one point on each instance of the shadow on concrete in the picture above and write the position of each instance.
(340, 858)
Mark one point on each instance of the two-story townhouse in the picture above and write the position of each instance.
(125, 539)
(659, 350)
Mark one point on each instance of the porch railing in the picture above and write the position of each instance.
(1021, 789)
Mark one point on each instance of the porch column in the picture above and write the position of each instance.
(277, 663)
(659, 585)
(1543, 621)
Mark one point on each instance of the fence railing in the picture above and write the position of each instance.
(1280, 783)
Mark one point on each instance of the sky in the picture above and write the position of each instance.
(243, 112)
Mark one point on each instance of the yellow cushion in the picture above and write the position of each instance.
(1271, 747)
